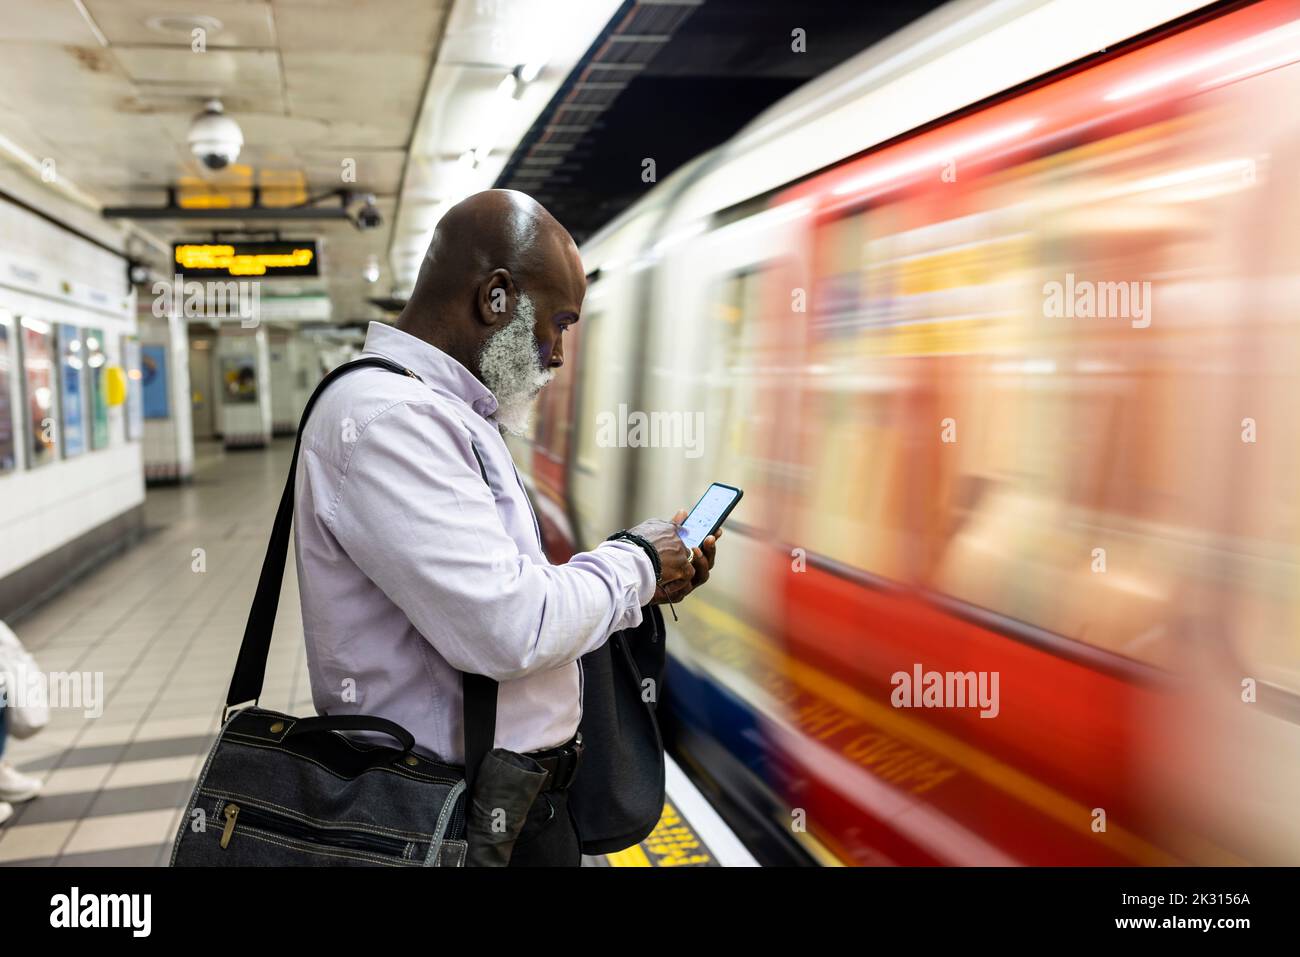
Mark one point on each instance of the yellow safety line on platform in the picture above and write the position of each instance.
(672, 843)
(632, 857)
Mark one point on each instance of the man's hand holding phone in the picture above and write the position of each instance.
(702, 558)
(676, 561)
(687, 545)
(684, 569)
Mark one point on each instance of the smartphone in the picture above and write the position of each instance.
(708, 514)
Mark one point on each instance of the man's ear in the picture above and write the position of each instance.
(496, 296)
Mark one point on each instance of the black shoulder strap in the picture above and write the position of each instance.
(479, 699)
(250, 668)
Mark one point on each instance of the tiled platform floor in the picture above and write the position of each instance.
(165, 638)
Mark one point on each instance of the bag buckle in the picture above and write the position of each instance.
(225, 712)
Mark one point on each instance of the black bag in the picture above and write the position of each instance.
(278, 790)
(618, 796)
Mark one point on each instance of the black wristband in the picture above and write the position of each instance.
(649, 549)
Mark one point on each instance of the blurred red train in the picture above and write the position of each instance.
(998, 325)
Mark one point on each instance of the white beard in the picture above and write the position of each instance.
(511, 365)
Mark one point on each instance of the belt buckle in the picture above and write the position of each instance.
(568, 763)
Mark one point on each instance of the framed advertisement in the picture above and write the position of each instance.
(72, 358)
(239, 379)
(40, 392)
(153, 381)
(97, 387)
(134, 400)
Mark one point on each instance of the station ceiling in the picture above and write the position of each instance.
(389, 97)
(107, 97)
(668, 82)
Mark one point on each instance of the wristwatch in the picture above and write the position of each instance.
(645, 546)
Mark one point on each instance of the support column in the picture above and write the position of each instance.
(284, 410)
(165, 389)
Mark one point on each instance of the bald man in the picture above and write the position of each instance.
(413, 569)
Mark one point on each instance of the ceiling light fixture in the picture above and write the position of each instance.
(176, 23)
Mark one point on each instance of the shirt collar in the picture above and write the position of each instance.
(434, 367)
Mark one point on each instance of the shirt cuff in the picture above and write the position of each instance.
(642, 573)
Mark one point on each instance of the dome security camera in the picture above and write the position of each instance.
(215, 139)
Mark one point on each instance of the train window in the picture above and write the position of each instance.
(733, 417)
(1078, 467)
(41, 391)
(851, 505)
(1071, 438)
(564, 401)
(553, 422)
(588, 383)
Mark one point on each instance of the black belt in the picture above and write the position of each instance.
(561, 764)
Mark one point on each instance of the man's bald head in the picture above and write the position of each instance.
(492, 229)
(487, 252)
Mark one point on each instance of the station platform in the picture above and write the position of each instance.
(690, 834)
(163, 622)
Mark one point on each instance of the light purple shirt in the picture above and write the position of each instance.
(411, 570)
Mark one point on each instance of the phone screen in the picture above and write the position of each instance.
(712, 507)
